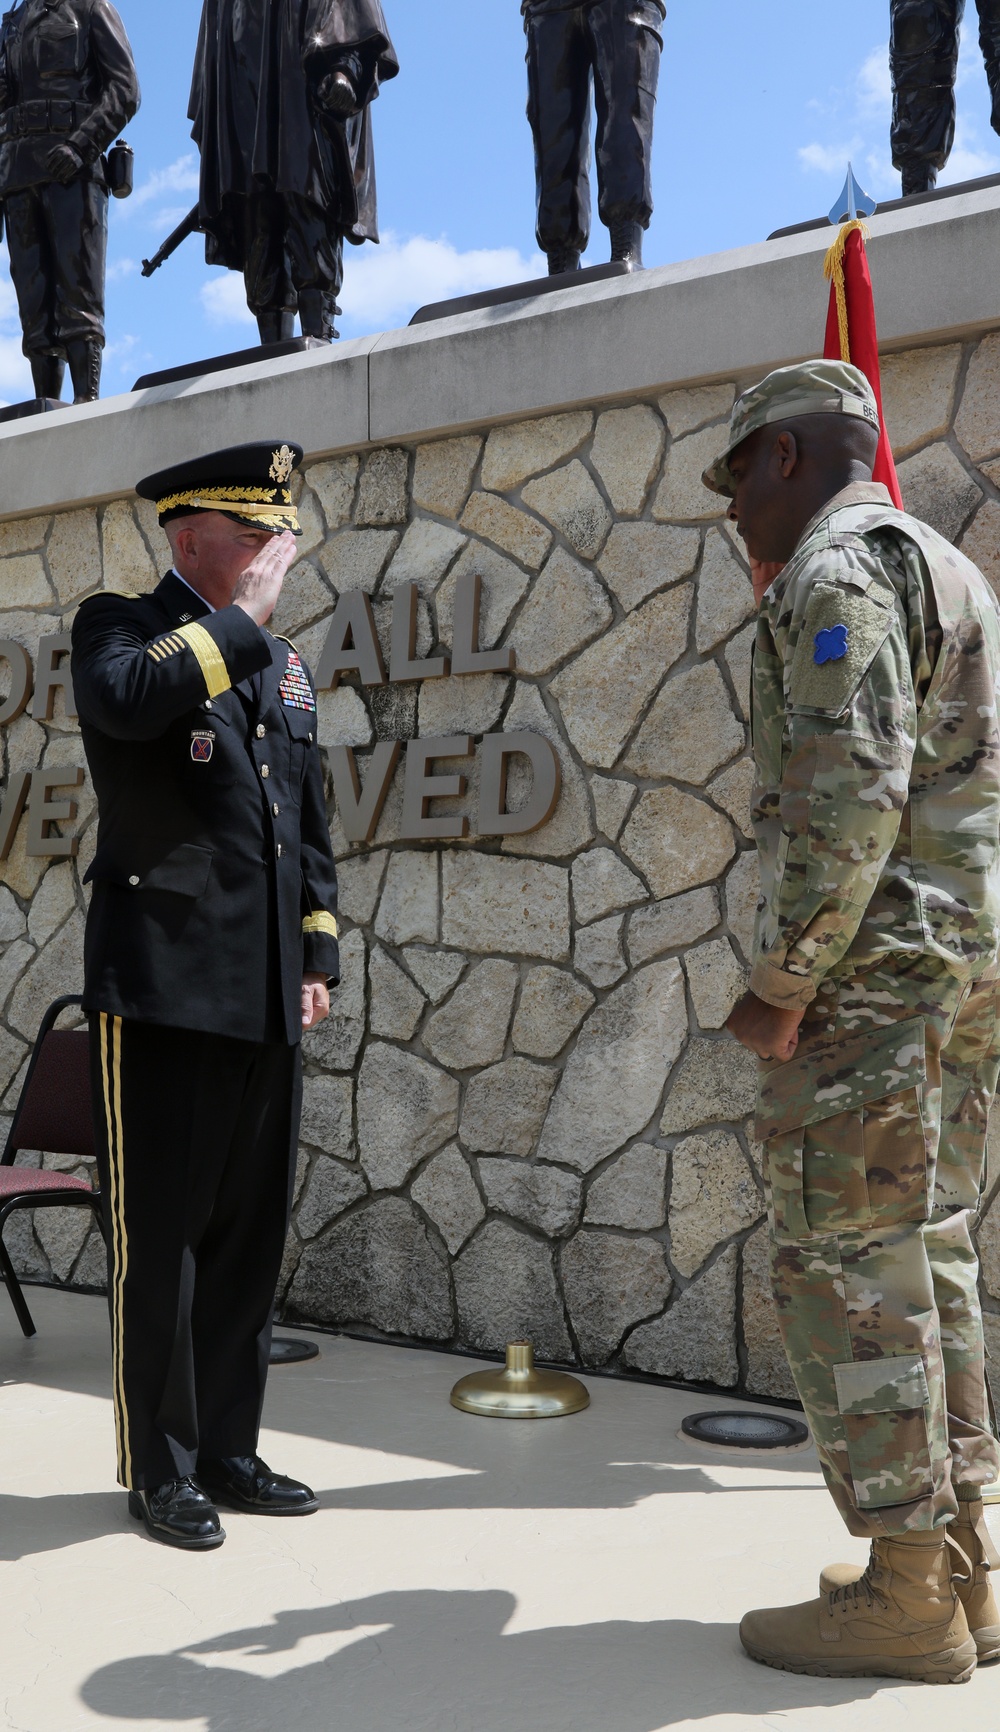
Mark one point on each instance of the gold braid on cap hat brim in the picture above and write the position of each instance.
(255, 504)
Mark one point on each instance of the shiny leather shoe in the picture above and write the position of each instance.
(244, 1482)
(178, 1514)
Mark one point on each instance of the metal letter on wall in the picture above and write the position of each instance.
(466, 656)
(352, 644)
(10, 812)
(419, 788)
(360, 812)
(402, 665)
(42, 812)
(16, 700)
(51, 678)
(494, 819)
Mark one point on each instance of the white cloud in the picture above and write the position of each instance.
(225, 302)
(874, 86)
(385, 285)
(830, 159)
(181, 176)
(118, 269)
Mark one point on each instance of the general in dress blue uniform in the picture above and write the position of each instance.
(214, 899)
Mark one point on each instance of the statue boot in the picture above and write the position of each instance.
(85, 364)
(626, 244)
(276, 325)
(901, 1619)
(317, 308)
(47, 375)
(563, 259)
(970, 1532)
(918, 177)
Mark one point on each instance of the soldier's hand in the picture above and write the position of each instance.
(259, 587)
(764, 1028)
(315, 1000)
(63, 163)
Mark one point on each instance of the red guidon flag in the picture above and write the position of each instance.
(850, 330)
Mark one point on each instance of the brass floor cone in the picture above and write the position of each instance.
(520, 1391)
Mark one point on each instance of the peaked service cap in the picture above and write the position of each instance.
(810, 388)
(249, 483)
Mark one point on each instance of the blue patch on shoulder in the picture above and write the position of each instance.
(831, 645)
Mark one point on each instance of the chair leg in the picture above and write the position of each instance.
(17, 1298)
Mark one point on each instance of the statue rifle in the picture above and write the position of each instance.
(189, 226)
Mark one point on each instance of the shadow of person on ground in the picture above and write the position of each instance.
(428, 1660)
(30, 1525)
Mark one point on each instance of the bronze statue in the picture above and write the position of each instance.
(924, 59)
(615, 46)
(67, 88)
(280, 107)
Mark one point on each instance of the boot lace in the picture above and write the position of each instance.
(865, 1591)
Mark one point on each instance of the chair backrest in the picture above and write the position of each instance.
(54, 1111)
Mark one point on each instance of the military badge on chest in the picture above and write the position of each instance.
(202, 745)
(295, 689)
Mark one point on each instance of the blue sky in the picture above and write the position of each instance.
(761, 104)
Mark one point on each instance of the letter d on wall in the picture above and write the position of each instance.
(546, 772)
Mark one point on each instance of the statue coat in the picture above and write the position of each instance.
(257, 122)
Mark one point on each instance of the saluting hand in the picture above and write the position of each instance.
(259, 587)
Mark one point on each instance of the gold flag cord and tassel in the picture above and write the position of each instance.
(833, 271)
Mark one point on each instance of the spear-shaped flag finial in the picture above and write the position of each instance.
(853, 202)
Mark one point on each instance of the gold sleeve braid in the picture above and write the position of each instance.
(205, 650)
(321, 922)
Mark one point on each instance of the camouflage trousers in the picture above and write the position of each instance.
(875, 1148)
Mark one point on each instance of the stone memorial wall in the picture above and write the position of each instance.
(524, 1116)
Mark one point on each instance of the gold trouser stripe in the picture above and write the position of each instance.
(111, 1058)
(320, 923)
(209, 659)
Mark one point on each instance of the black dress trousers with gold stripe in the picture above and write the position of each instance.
(214, 890)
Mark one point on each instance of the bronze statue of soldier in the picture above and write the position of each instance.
(68, 87)
(613, 46)
(924, 59)
(281, 113)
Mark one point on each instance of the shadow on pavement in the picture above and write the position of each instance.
(426, 1661)
(29, 1525)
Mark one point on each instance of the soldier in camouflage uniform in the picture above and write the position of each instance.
(873, 1005)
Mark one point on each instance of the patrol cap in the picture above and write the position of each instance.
(810, 388)
(249, 483)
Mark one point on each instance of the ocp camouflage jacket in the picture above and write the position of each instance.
(875, 734)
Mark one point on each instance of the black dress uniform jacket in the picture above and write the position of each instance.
(214, 883)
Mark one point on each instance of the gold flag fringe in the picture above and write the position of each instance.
(833, 271)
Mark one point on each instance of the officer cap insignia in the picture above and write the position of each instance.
(831, 645)
(248, 483)
(282, 464)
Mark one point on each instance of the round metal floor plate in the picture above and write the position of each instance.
(743, 1431)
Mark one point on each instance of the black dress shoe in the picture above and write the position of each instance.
(244, 1482)
(179, 1514)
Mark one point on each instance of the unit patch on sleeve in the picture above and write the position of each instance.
(295, 689)
(202, 745)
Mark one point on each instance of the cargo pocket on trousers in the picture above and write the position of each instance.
(883, 1404)
(843, 1130)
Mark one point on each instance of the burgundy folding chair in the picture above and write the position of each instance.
(53, 1115)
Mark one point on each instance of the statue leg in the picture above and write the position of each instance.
(265, 275)
(316, 261)
(559, 112)
(31, 269)
(626, 50)
(989, 41)
(923, 55)
(78, 226)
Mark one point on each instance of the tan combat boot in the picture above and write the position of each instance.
(901, 1619)
(970, 1532)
